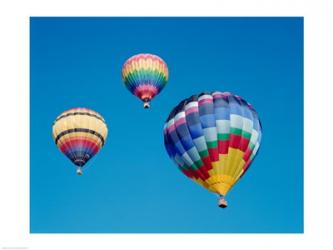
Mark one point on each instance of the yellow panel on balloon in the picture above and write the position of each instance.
(235, 156)
(218, 165)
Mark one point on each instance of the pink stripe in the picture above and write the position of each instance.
(145, 57)
(171, 128)
(142, 56)
(204, 101)
(180, 121)
(191, 110)
(218, 95)
(149, 56)
(160, 60)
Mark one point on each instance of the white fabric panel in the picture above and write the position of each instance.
(210, 134)
(200, 143)
(223, 126)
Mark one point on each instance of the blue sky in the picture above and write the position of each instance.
(131, 185)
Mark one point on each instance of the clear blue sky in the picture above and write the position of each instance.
(131, 185)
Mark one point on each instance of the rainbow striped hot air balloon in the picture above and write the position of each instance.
(145, 75)
(79, 133)
(213, 138)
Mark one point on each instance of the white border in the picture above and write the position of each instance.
(14, 80)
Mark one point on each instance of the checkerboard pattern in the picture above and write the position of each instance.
(213, 138)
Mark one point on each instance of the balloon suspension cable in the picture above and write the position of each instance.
(79, 171)
(222, 202)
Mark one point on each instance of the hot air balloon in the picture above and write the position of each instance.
(79, 133)
(145, 75)
(213, 138)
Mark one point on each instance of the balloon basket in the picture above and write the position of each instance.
(79, 171)
(222, 203)
(146, 105)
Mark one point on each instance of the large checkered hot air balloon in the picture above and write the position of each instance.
(145, 75)
(213, 138)
(79, 133)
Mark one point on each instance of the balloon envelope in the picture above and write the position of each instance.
(145, 75)
(79, 133)
(213, 138)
